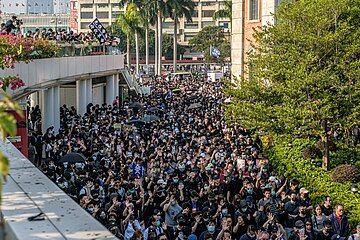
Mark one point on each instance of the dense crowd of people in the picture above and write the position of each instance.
(13, 26)
(184, 175)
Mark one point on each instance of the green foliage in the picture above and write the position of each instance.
(211, 36)
(226, 12)
(287, 159)
(168, 45)
(304, 69)
(130, 21)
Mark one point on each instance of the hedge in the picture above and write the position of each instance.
(286, 157)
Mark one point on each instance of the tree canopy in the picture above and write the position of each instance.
(211, 36)
(305, 69)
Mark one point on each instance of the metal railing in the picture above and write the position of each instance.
(86, 49)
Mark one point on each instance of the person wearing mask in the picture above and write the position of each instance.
(210, 231)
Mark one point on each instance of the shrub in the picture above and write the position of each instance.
(346, 173)
(312, 152)
(288, 160)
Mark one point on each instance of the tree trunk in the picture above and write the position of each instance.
(137, 51)
(147, 48)
(325, 140)
(175, 43)
(128, 54)
(156, 49)
(159, 21)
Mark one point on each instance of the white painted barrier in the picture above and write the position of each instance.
(40, 72)
(28, 192)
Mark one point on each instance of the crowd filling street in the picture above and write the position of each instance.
(168, 166)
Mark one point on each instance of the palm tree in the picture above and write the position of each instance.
(130, 23)
(178, 9)
(147, 10)
(226, 12)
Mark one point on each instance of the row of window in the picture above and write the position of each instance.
(90, 15)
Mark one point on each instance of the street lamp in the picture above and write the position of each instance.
(56, 21)
(354, 188)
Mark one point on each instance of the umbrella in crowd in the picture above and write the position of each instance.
(73, 158)
(135, 105)
(136, 123)
(153, 109)
(150, 118)
(194, 106)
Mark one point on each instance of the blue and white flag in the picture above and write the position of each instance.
(214, 52)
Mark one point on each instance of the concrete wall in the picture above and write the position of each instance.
(98, 94)
(51, 71)
(243, 29)
(68, 96)
(28, 192)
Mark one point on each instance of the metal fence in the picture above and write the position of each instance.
(86, 49)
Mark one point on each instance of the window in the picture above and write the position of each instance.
(102, 5)
(195, 14)
(207, 23)
(192, 25)
(102, 15)
(86, 5)
(168, 25)
(253, 9)
(188, 37)
(224, 24)
(115, 14)
(208, 3)
(277, 3)
(88, 15)
(84, 25)
(208, 13)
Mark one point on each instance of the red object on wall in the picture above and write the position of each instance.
(74, 16)
(20, 141)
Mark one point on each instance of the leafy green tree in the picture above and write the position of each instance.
(211, 36)
(178, 9)
(168, 46)
(130, 24)
(226, 12)
(148, 11)
(304, 71)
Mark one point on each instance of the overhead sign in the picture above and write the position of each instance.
(99, 31)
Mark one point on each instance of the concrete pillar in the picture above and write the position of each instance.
(56, 108)
(110, 89)
(116, 88)
(89, 91)
(51, 108)
(83, 95)
(237, 38)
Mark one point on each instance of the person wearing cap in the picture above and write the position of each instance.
(304, 198)
(355, 236)
(339, 221)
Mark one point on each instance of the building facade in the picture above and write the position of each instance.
(13, 6)
(17, 7)
(107, 12)
(248, 15)
(33, 21)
